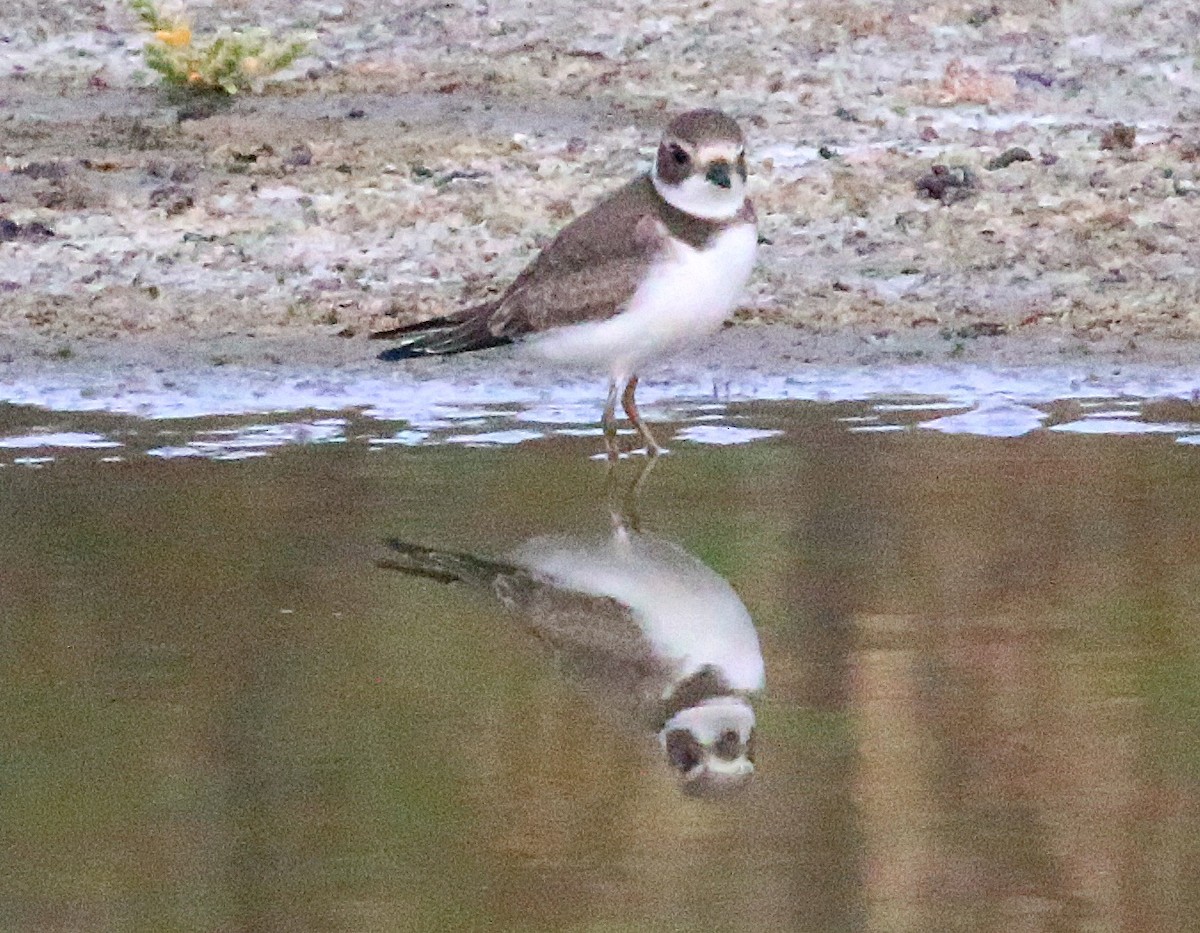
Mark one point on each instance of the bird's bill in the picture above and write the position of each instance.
(718, 174)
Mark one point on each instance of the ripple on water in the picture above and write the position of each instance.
(408, 412)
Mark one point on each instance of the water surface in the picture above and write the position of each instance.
(982, 668)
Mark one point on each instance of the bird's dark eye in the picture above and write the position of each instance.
(680, 157)
(683, 751)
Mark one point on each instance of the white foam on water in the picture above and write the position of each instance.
(175, 453)
(1122, 426)
(239, 454)
(61, 439)
(405, 397)
(253, 440)
(887, 407)
(560, 414)
(723, 434)
(990, 401)
(401, 438)
(993, 418)
(494, 438)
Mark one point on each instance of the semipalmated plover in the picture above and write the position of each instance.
(653, 266)
(639, 625)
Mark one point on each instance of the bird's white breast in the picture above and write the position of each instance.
(690, 616)
(687, 294)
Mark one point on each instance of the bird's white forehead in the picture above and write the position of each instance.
(724, 150)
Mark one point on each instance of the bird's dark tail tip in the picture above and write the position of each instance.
(415, 339)
(404, 351)
(457, 333)
(442, 566)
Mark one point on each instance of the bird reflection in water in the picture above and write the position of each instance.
(638, 624)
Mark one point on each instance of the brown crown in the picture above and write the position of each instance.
(706, 125)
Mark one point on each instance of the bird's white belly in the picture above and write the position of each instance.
(685, 296)
(690, 616)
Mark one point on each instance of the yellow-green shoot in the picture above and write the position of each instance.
(228, 62)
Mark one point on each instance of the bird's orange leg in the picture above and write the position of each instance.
(630, 405)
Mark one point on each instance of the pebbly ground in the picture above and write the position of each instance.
(417, 158)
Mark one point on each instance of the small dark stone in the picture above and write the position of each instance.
(982, 15)
(1027, 76)
(356, 114)
(200, 108)
(32, 232)
(946, 183)
(1008, 157)
(973, 330)
(825, 152)
(43, 171)
(984, 329)
(62, 197)
(1119, 136)
(344, 169)
(172, 198)
(458, 173)
(299, 156)
(244, 158)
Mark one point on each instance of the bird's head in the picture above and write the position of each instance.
(701, 165)
(710, 746)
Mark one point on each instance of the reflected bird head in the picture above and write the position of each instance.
(710, 746)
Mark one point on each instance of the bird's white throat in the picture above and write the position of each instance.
(699, 197)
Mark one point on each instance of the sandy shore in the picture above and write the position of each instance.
(418, 158)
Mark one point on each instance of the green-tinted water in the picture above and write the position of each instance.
(982, 708)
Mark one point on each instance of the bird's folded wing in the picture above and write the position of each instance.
(570, 296)
(589, 273)
(597, 628)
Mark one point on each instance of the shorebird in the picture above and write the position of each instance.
(650, 634)
(655, 265)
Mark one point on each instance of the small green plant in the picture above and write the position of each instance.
(226, 63)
